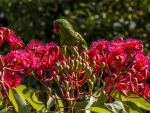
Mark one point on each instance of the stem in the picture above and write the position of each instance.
(7, 95)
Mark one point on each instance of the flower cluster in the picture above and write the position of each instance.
(23, 60)
(121, 64)
(126, 65)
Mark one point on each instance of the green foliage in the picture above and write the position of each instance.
(19, 104)
(60, 104)
(30, 96)
(116, 107)
(139, 101)
(97, 100)
(50, 103)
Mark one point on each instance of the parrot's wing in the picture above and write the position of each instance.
(81, 42)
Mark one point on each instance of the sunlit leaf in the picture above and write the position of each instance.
(139, 101)
(116, 107)
(7, 110)
(60, 104)
(19, 103)
(30, 96)
(50, 103)
(131, 107)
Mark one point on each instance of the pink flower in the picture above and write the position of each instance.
(15, 42)
(99, 45)
(12, 78)
(133, 44)
(35, 45)
(116, 46)
(5, 34)
(141, 61)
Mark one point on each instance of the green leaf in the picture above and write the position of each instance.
(81, 105)
(30, 96)
(132, 107)
(139, 101)
(9, 111)
(98, 110)
(92, 101)
(50, 102)
(19, 103)
(100, 101)
(6, 110)
(60, 104)
(116, 106)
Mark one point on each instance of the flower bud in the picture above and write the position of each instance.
(67, 70)
(76, 63)
(93, 78)
(80, 66)
(90, 85)
(74, 49)
(63, 50)
(56, 67)
(66, 85)
(102, 65)
(83, 65)
(87, 57)
(93, 64)
(72, 63)
(64, 64)
(80, 58)
(88, 71)
(84, 55)
(56, 78)
(68, 58)
(76, 55)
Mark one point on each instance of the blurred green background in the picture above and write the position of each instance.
(94, 19)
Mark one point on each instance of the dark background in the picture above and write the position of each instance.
(94, 19)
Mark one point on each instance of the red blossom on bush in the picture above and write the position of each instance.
(15, 43)
(12, 79)
(5, 34)
(126, 65)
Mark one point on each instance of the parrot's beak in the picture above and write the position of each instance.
(56, 27)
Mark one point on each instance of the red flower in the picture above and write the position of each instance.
(12, 78)
(116, 46)
(133, 44)
(35, 45)
(5, 34)
(141, 61)
(99, 45)
(15, 42)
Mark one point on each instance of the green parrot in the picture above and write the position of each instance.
(69, 37)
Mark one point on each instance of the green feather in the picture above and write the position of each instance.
(69, 37)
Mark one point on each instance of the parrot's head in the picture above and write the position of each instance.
(60, 24)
